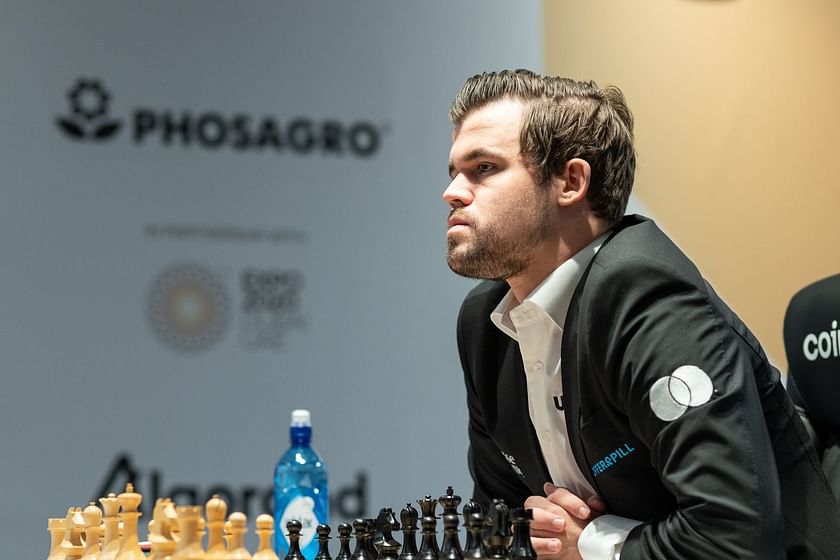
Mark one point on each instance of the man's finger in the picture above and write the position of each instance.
(544, 520)
(545, 547)
(568, 501)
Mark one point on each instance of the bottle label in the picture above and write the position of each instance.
(301, 508)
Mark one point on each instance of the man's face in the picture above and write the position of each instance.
(499, 215)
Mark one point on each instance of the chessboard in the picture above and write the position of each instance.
(109, 531)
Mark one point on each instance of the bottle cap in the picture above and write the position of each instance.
(301, 418)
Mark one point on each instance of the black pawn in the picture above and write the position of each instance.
(428, 545)
(475, 527)
(323, 532)
(385, 544)
(521, 548)
(370, 528)
(408, 516)
(360, 534)
(451, 547)
(497, 535)
(450, 501)
(344, 530)
(294, 528)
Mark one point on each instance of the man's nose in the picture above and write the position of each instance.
(458, 193)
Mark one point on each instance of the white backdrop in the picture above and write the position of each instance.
(215, 212)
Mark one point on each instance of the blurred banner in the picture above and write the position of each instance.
(214, 213)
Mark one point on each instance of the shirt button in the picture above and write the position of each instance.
(538, 366)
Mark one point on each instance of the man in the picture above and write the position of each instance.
(609, 387)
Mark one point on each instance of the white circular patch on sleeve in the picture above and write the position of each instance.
(687, 386)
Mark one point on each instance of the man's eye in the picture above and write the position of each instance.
(485, 167)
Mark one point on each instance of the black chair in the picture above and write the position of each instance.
(812, 346)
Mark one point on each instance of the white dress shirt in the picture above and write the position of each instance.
(537, 325)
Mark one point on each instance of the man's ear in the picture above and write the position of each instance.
(573, 184)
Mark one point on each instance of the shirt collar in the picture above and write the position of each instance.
(553, 294)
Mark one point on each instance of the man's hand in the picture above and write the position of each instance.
(559, 519)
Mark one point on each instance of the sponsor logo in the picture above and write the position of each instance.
(687, 387)
(512, 462)
(88, 118)
(188, 307)
(215, 130)
(821, 345)
(610, 460)
(271, 306)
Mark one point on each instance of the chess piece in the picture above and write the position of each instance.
(450, 501)
(56, 527)
(473, 550)
(323, 533)
(188, 546)
(344, 530)
(160, 531)
(497, 535)
(386, 546)
(427, 509)
(294, 528)
(93, 531)
(428, 543)
(74, 525)
(361, 552)
(129, 514)
(451, 547)
(111, 519)
(408, 516)
(215, 509)
(265, 532)
(521, 548)
(237, 525)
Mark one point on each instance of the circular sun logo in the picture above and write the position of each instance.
(188, 307)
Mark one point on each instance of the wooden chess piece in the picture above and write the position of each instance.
(111, 541)
(323, 533)
(428, 542)
(215, 509)
(497, 535)
(236, 525)
(451, 547)
(427, 509)
(360, 552)
(450, 501)
(188, 546)
(129, 515)
(294, 528)
(473, 549)
(344, 530)
(408, 516)
(74, 525)
(55, 525)
(521, 548)
(386, 546)
(93, 531)
(265, 532)
(160, 531)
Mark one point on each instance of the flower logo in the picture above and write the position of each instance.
(88, 118)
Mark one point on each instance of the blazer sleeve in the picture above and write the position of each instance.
(492, 475)
(669, 361)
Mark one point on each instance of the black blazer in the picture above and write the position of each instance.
(733, 477)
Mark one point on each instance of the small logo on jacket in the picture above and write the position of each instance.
(686, 387)
(611, 459)
(512, 461)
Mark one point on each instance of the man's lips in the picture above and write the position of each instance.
(457, 221)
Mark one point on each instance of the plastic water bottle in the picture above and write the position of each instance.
(300, 489)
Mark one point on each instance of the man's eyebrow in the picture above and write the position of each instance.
(474, 154)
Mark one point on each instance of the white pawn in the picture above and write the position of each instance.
(215, 509)
(235, 535)
(265, 530)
